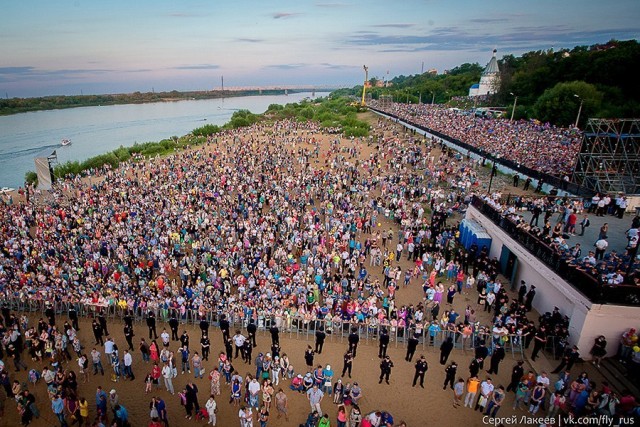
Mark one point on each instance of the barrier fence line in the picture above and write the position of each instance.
(297, 327)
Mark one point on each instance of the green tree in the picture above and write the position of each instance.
(561, 103)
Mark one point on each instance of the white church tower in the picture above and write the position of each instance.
(490, 80)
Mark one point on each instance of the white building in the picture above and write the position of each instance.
(490, 80)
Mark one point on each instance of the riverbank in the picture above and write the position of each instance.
(23, 105)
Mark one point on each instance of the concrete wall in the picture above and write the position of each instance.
(587, 321)
(608, 320)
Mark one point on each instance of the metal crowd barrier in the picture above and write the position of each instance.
(295, 327)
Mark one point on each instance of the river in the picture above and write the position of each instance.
(97, 130)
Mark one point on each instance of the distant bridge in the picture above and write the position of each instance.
(305, 88)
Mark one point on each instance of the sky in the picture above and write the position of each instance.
(71, 47)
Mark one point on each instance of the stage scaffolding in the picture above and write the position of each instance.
(609, 157)
(386, 102)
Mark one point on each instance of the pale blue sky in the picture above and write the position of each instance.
(90, 46)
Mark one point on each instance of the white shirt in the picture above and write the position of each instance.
(165, 337)
(167, 372)
(602, 244)
(108, 347)
(543, 380)
(211, 406)
(128, 360)
(486, 388)
(239, 340)
(254, 387)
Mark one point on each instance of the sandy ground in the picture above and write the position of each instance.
(416, 406)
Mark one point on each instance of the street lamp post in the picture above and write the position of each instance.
(433, 97)
(579, 109)
(420, 98)
(515, 100)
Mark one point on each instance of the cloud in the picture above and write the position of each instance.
(28, 71)
(284, 15)
(183, 15)
(372, 39)
(249, 40)
(286, 66)
(462, 38)
(399, 25)
(16, 70)
(338, 66)
(33, 74)
(196, 67)
(331, 5)
(487, 20)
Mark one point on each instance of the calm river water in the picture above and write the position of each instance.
(97, 130)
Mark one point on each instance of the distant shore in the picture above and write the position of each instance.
(22, 105)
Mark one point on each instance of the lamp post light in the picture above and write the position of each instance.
(515, 100)
(579, 109)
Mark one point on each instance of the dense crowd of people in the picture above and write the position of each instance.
(261, 223)
(542, 147)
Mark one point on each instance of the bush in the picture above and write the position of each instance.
(123, 154)
(68, 168)
(274, 107)
(206, 130)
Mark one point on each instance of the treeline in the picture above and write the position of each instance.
(603, 77)
(334, 114)
(22, 105)
(425, 87)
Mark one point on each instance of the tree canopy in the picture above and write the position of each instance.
(545, 82)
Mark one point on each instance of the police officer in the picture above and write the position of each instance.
(50, 313)
(385, 369)
(73, 316)
(275, 334)
(128, 319)
(128, 335)
(450, 375)
(320, 337)
(173, 324)
(252, 329)
(184, 339)
(224, 327)
(384, 343)
(103, 322)
(206, 345)
(516, 373)
(421, 369)
(204, 326)
(348, 363)
(97, 332)
(247, 349)
(151, 324)
(411, 348)
(354, 339)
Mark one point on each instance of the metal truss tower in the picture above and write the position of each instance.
(609, 157)
(386, 102)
